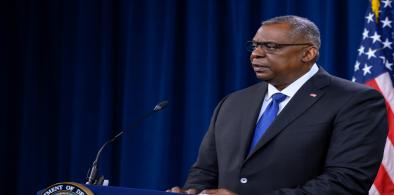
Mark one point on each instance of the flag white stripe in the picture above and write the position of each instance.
(373, 191)
(388, 160)
(386, 86)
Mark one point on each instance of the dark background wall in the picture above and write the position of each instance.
(75, 72)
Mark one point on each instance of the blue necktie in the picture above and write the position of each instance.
(267, 118)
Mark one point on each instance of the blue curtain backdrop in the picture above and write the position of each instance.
(75, 72)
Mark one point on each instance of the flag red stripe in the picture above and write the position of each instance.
(377, 73)
(390, 114)
(383, 183)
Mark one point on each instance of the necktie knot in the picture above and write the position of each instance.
(278, 97)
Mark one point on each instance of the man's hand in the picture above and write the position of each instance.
(220, 191)
(180, 190)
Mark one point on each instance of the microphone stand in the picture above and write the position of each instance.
(93, 171)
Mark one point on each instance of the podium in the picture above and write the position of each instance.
(111, 190)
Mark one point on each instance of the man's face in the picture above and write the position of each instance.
(279, 67)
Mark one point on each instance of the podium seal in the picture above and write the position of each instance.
(67, 188)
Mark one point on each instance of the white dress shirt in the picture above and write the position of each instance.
(289, 91)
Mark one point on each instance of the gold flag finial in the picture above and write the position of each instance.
(375, 4)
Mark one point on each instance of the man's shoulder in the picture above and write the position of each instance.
(342, 90)
(249, 94)
(255, 89)
(246, 97)
(346, 86)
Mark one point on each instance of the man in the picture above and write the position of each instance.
(300, 131)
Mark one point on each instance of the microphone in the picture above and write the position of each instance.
(93, 171)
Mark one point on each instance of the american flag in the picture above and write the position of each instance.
(374, 67)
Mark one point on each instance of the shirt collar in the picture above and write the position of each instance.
(295, 86)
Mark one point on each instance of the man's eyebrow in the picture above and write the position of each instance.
(266, 41)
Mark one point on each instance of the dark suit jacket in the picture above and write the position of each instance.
(328, 144)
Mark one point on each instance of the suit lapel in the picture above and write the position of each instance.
(249, 116)
(305, 97)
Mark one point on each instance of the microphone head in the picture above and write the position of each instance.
(160, 106)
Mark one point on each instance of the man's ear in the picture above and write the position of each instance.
(310, 55)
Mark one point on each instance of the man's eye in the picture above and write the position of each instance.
(271, 46)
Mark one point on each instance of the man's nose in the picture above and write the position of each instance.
(257, 53)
